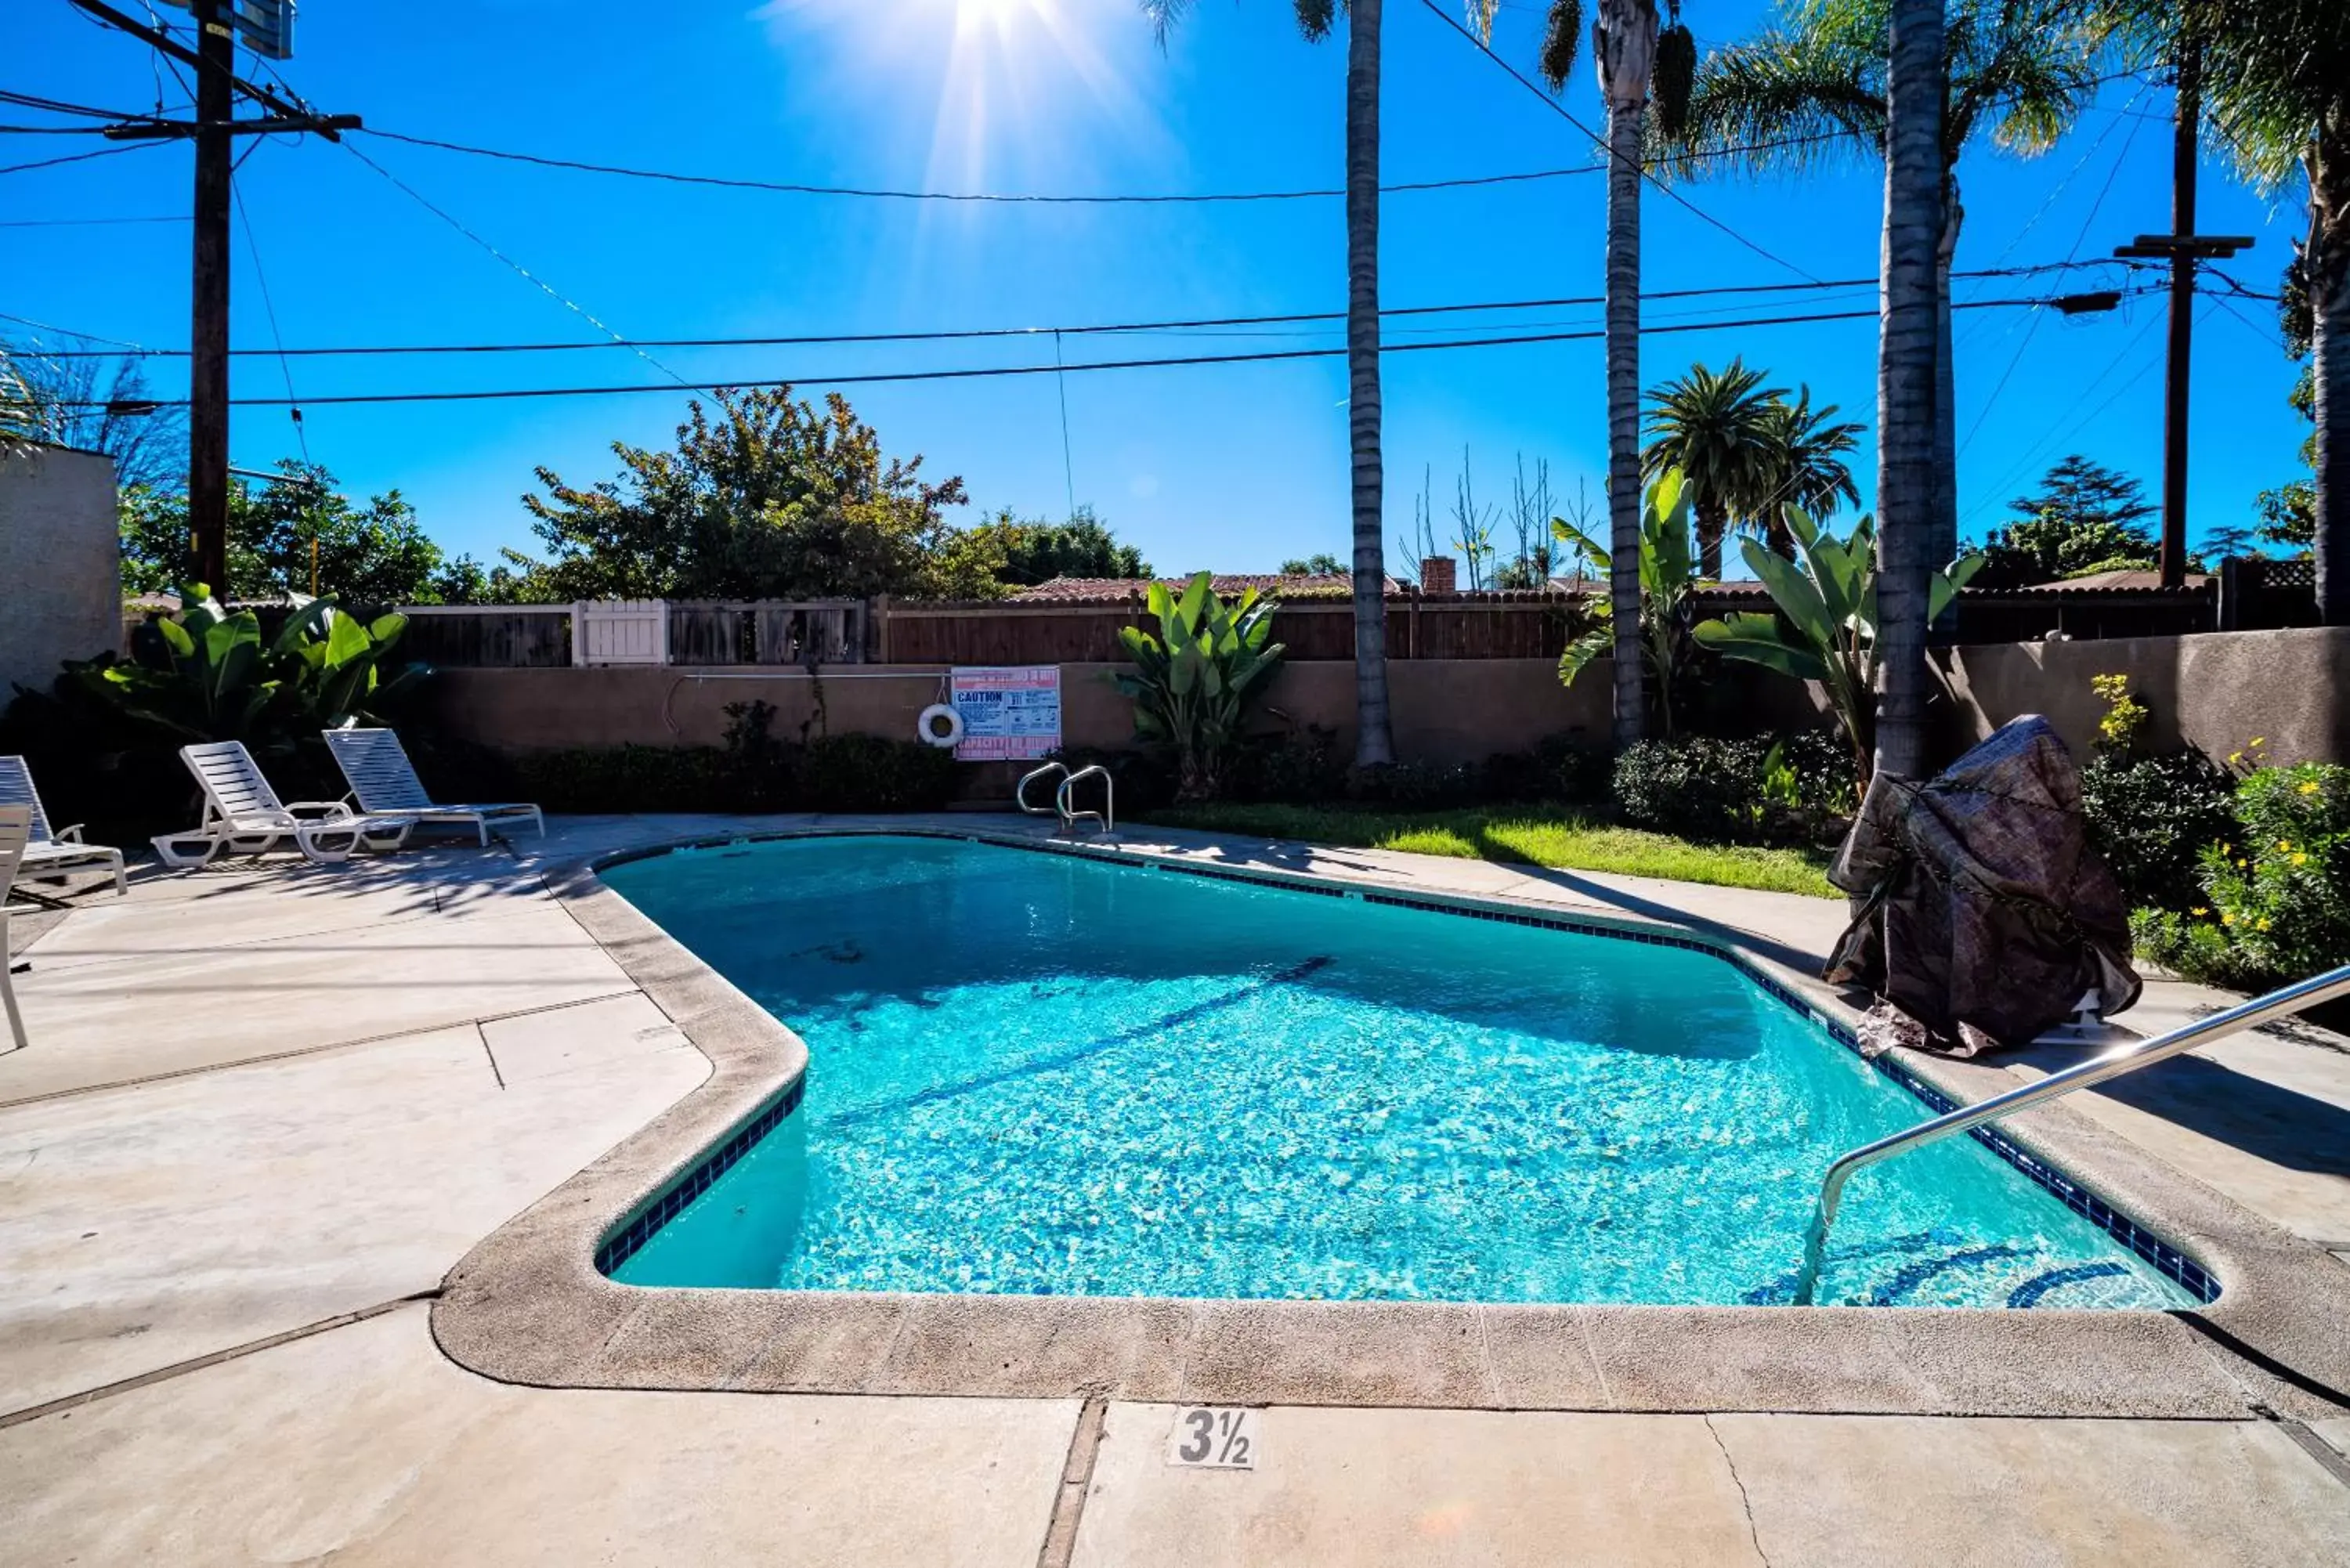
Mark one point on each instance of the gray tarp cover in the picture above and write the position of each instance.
(1982, 916)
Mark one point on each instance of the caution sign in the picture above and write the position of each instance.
(1009, 713)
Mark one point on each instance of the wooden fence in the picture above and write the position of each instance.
(1418, 627)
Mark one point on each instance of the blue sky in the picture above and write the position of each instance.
(1230, 466)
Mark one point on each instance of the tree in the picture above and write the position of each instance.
(2276, 89)
(74, 397)
(377, 553)
(772, 498)
(1037, 552)
(1714, 427)
(2289, 511)
(1910, 350)
(1374, 743)
(1633, 55)
(2084, 517)
(1807, 466)
(1816, 88)
(1322, 565)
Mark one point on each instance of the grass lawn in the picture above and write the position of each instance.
(1529, 835)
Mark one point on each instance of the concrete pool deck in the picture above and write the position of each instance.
(265, 1112)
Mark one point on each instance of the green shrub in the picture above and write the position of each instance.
(1144, 781)
(2152, 817)
(869, 773)
(1698, 787)
(1416, 784)
(600, 779)
(1559, 768)
(752, 773)
(2276, 895)
(1301, 765)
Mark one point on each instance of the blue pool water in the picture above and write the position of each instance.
(1036, 1075)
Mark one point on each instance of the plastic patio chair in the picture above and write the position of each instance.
(243, 816)
(16, 832)
(47, 851)
(385, 784)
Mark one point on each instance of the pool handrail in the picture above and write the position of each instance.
(1020, 794)
(2124, 1058)
(1107, 816)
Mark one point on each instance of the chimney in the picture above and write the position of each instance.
(1436, 575)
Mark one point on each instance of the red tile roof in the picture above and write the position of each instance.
(1119, 590)
(2122, 580)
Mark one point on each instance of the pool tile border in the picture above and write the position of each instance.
(530, 1305)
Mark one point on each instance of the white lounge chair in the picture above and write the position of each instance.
(384, 783)
(15, 831)
(45, 851)
(243, 816)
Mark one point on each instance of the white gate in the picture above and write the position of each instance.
(619, 631)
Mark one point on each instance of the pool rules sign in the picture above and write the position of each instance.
(1009, 713)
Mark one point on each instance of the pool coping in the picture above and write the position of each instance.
(528, 1304)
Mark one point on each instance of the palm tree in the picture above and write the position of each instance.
(1816, 90)
(1714, 427)
(1635, 55)
(1374, 744)
(2276, 84)
(1806, 466)
(1910, 350)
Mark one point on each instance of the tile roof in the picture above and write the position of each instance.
(2122, 580)
(1119, 590)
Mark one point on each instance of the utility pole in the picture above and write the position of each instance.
(266, 27)
(2183, 247)
(208, 302)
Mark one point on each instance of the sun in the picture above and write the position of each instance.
(1002, 15)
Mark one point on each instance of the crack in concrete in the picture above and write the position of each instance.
(198, 1364)
(1745, 1501)
(317, 1050)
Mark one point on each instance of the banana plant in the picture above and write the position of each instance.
(1668, 573)
(1826, 626)
(209, 677)
(1193, 681)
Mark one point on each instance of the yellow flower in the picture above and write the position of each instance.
(2301, 859)
(2284, 844)
(2235, 759)
(2259, 741)
(2309, 786)
(2198, 911)
(2264, 924)
(2227, 917)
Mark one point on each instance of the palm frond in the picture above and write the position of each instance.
(1162, 16)
(1316, 17)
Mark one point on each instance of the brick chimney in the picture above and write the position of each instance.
(1436, 575)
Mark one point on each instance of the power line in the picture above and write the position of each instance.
(1108, 329)
(523, 272)
(84, 222)
(795, 188)
(108, 151)
(990, 371)
(1601, 142)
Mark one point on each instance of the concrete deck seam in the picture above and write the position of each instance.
(1591, 1353)
(483, 1036)
(1745, 1503)
(314, 1050)
(2329, 1458)
(32, 951)
(214, 1358)
(1077, 1479)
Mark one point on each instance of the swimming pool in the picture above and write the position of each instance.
(1036, 1074)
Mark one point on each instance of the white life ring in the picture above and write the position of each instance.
(926, 726)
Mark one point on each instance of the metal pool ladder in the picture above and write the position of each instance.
(2122, 1059)
(1061, 807)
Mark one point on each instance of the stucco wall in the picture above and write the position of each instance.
(1448, 710)
(61, 563)
(2218, 690)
